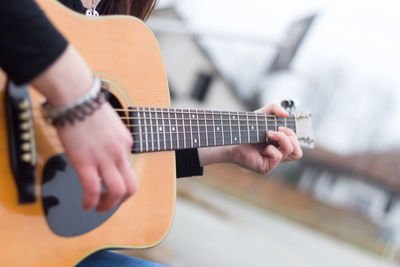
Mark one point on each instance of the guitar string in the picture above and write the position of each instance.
(258, 119)
(154, 120)
(54, 135)
(175, 144)
(214, 113)
(168, 129)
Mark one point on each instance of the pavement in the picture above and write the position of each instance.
(215, 229)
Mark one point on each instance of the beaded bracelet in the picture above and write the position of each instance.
(78, 110)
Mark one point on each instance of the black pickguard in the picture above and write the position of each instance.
(62, 200)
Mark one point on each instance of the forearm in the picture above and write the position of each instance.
(212, 155)
(66, 80)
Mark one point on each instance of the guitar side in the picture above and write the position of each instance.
(123, 52)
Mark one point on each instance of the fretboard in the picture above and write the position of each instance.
(160, 129)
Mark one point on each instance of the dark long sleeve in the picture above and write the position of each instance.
(29, 43)
(187, 163)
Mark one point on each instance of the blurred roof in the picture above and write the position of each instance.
(381, 168)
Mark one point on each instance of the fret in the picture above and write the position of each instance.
(186, 129)
(285, 123)
(205, 127)
(194, 128)
(276, 125)
(248, 127)
(230, 127)
(191, 130)
(213, 121)
(151, 123)
(134, 127)
(140, 129)
(198, 128)
(234, 123)
(168, 130)
(145, 127)
(238, 121)
(201, 118)
(253, 133)
(162, 130)
(294, 123)
(266, 128)
(261, 127)
(280, 122)
(244, 128)
(154, 128)
(220, 128)
(226, 132)
(181, 129)
(173, 129)
(258, 135)
(140, 132)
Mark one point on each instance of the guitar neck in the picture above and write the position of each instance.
(161, 129)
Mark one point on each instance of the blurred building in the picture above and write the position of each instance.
(367, 183)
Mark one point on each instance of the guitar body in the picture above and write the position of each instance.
(122, 51)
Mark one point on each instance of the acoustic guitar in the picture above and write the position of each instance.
(42, 222)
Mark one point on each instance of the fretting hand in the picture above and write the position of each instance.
(258, 157)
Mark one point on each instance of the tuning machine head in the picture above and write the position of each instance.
(289, 105)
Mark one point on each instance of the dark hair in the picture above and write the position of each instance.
(138, 8)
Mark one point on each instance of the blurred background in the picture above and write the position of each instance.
(339, 205)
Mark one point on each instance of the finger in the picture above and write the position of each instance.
(297, 151)
(90, 181)
(284, 143)
(272, 157)
(129, 178)
(275, 109)
(115, 187)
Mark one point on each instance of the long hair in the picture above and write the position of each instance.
(138, 8)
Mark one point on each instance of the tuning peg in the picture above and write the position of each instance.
(24, 104)
(288, 105)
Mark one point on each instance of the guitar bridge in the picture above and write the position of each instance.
(21, 141)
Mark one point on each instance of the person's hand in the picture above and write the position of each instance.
(258, 157)
(98, 148)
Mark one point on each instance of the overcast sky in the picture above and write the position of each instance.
(352, 49)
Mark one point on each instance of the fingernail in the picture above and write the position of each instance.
(281, 128)
(271, 133)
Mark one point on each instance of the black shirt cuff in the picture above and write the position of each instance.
(187, 163)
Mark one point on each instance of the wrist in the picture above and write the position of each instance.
(212, 155)
(79, 109)
(66, 80)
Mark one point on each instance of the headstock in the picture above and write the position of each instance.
(304, 129)
(303, 124)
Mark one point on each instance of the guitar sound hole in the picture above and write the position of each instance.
(62, 200)
(113, 100)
